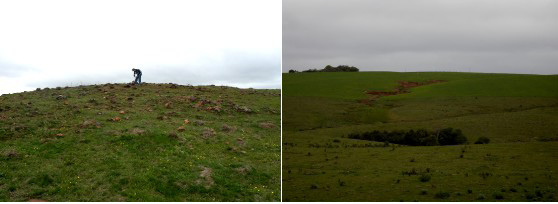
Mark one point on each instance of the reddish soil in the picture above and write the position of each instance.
(403, 87)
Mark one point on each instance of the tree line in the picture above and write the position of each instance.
(420, 137)
(329, 68)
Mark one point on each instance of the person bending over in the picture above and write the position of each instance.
(137, 74)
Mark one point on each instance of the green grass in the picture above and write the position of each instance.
(519, 113)
(137, 158)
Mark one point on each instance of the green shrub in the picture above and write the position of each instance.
(425, 178)
(498, 196)
(420, 137)
(442, 195)
(482, 140)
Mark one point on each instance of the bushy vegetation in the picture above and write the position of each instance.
(420, 137)
(329, 68)
(482, 140)
(340, 68)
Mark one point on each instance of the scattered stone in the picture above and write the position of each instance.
(173, 135)
(243, 170)
(191, 98)
(61, 97)
(137, 131)
(214, 108)
(186, 121)
(60, 135)
(168, 105)
(162, 117)
(205, 177)
(240, 142)
(122, 112)
(36, 200)
(243, 109)
(181, 129)
(208, 133)
(227, 128)
(199, 122)
(267, 125)
(11, 154)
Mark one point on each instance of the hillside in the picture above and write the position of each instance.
(518, 113)
(154, 142)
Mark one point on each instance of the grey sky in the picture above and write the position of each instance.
(511, 36)
(199, 42)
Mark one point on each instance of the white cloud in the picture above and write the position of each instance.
(100, 41)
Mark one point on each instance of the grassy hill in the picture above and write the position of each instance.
(154, 142)
(518, 113)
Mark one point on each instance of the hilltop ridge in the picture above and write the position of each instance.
(149, 142)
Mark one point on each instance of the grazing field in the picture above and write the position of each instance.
(517, 113)
(154, 142)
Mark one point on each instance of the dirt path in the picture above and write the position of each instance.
(403, 87)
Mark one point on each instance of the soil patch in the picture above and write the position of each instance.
(403, 87)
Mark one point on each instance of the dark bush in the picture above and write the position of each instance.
(292, 71)
(442, 195)
(420, 137)
(498, 196)
(482, 140)
(450, 136)
(329, 68)
(425, 178)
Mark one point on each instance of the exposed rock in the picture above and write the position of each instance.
(181, 129)
(243, 170)
(173, 135)
(90, 123)
(267, 125)
(199, 122)
(240, 142)
(61, 97)
(227, 128)
(243, 109)
(205, 177)
(137, 131)
(208, 133)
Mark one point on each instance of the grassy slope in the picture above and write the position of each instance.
(117, 162)
(515, 111)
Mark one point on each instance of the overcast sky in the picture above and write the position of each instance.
(200, 42)
(510, 36)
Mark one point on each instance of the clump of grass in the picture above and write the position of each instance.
(498, 196)
(341, 183)
(513, 190)
(425, 178)
(481, 197)
(469, 191)
(482, 140)
(442, 195)
(313, 186)
(485, 175)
